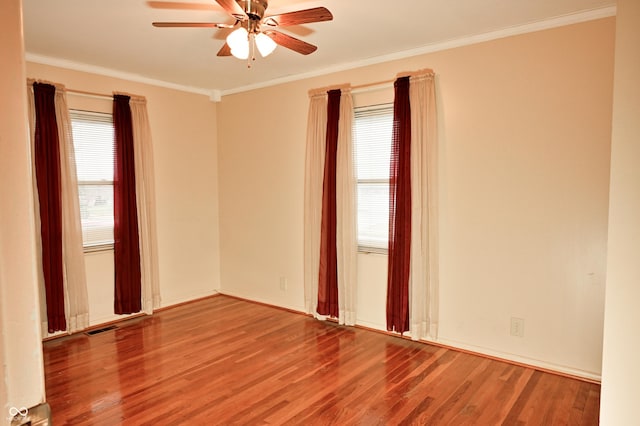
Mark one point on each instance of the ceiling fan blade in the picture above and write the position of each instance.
(291, 42)
(306, 16)
(232, 8)
(225, 50)
(190, 25)
(178, 5)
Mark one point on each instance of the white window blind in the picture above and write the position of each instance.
(93, 141)
(372, 141)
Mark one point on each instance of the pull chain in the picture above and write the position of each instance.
(252, 47)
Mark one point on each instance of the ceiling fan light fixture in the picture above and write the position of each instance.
(240, 54)
(265, 44)
(250, 15)
(238, 41)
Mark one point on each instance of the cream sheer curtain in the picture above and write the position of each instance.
(423, 281)
(346, 213)
(145, 193)
(314, 168)
(75, 283)
(345, 188)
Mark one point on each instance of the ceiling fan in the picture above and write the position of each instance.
(255, 30)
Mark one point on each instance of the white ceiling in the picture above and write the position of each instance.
(115, 37)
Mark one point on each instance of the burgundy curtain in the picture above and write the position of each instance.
(399, 211)
(128, 287)
(47, 164)
(328, 277)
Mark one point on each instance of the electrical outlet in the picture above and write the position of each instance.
(283, 283)
(517, 327)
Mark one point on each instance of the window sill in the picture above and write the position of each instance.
(98, 248)
(372, 250)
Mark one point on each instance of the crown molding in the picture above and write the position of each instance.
(216, 95)
(560, 21)
(108, 72)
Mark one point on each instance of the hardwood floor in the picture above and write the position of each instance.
(223, 361)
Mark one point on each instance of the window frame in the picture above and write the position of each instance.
(102, 117)
(362, 111)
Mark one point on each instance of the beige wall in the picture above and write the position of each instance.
(183, 128)
(525, 128)
(621, 370)
(20, 340)
(524, 138)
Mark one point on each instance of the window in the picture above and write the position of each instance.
(372, 142)
(93, 142)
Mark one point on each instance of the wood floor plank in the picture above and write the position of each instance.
(221, 361)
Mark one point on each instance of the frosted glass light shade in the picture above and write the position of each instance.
(240, 53)
(265, 44)
(238, 41)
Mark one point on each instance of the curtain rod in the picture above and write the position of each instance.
(86, 93)
(360, 88)
(30, 82)
(89, 94)
(354, 89)
(386, 83)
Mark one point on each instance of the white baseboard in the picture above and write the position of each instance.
(482, 351)
(534, 363)
(518, 359)
(185, 299)
(299, 309)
